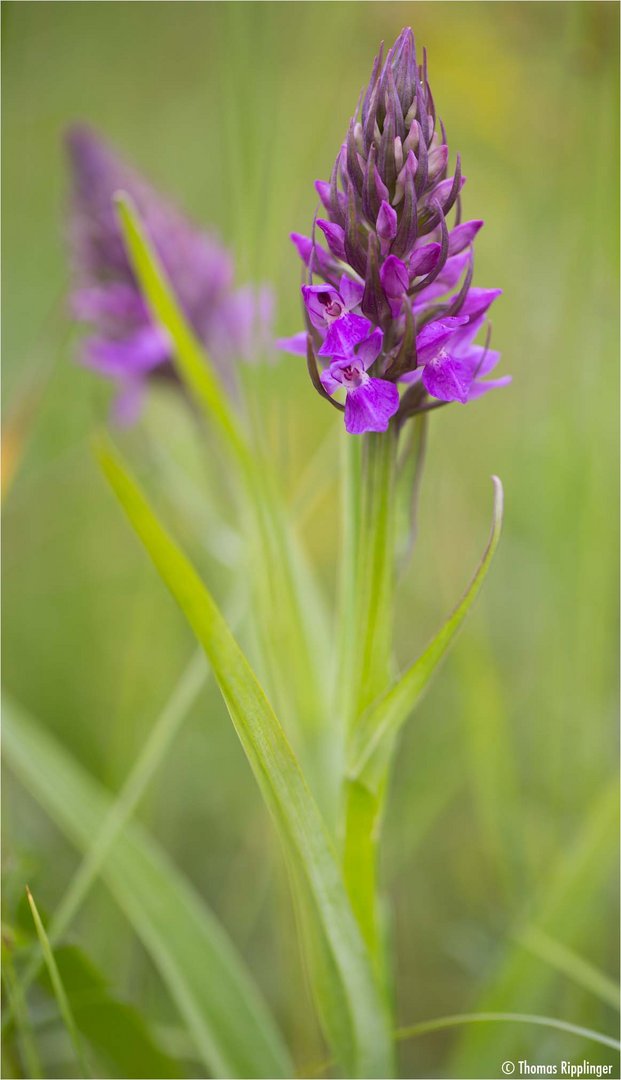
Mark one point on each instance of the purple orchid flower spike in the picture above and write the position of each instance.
(389, 261)
(232, 323)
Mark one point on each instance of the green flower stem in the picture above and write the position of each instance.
(345, 689)
(367, 574)
(366, 632)
(375, 587)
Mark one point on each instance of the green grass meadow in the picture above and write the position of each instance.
(499, 862)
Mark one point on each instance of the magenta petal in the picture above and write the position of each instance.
(335, 237)
(478, 301)
(412, 376)
(310, 253)
(369, 407)
(479, 388)
(462, 235)
(351, 292)
(370, 349)
(433, 336)
(463, 337)
(394, 277)
(344, 334)
(295, 344)
(316, 299)
(424, 259)
(441, 191)
(446, 279)
(479, 360)
(437, 161)
(386, 222)
(380, 186)
(322, 187)
(328, 380)
(446, 378)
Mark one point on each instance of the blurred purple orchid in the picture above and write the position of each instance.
(391, 264)
(128, 347)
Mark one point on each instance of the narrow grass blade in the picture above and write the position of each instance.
(383, 719)
(489, 764)
(278, 775)
(426, 1027)
(57, 986)
(569, 963)
(568, 902)
(231, 1027)
(152, 754)
(441, 1023)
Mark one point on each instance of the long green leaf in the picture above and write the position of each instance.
(231, 1027)
(382, 720)
(290, 608)
(198, 373)
(278, 775)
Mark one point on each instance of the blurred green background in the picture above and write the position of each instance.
(500, 851)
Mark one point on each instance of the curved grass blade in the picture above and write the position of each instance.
(153, 752)
(232, 1029)
(382, 720)
(569, 963)
(57, 986)
(439, 1023)
(279, 777)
